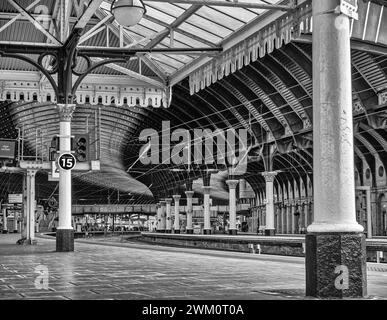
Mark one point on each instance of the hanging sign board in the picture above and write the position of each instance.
(349, 8)
(15, 198)
(7, 149)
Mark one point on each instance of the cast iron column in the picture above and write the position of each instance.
(168, 228)
(31, 206)
(176, 225)
(163, 216)
(158, 208)
(335, 244)
(269, 178)
(189, 228)
(65, 232)
(232, 206)
(207, 210)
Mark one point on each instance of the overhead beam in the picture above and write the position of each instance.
(133, 74)
(17, 16)
(96, 29)
(11, 17)
(129, 41)
(117, 52)
(78, 7)
(153, 66)
(87, 15)
(183, 32)
(65, 13)
(243, 33)
(36, 24)
(235, 4)
(164, 33)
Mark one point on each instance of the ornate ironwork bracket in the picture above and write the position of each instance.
(64, 63)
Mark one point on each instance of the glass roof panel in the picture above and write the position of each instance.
(239, 13)
(188, 40)
(209, 25)
(169, 60)
(159, 15)
(142, 31)
(151, 25)
(213, 38)
(166, 43)
(166, 8)
(218, 17)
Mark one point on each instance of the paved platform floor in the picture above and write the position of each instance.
(100, 269)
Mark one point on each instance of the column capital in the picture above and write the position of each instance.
(66, 111)
(206, 189)
(269, 175)
(232, 183)
(31, 172)
(168, 200)
(189, 194)
(176, 197)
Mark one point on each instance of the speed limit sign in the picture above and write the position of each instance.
(66, 161)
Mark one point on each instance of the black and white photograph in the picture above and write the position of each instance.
(193, 158)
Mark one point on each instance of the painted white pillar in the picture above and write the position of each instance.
(31, 206)
(279, 217)
(65, 232)
(158, 208)
(293, 211)
(305, 209)
(189, 228)
(5, 227)
(232, 184)
(333, 155)
(168, 222)
(176, 225)
(269, 178)
(335, 243)
(283, 213)
(65, 180)
(16, 223)
(24, 208)
(163, 216)
(289, 218)
(206, 212)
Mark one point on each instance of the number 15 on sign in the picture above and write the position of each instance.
(66, 161)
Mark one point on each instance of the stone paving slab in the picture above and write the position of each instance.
(130, 271)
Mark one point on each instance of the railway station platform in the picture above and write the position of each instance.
(110, 269)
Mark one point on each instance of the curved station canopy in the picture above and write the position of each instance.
(192, 65)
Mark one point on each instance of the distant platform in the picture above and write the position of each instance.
(286, 245)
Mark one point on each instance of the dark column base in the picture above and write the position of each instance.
(232, 232)
(161, 231)
(336, 265)
(5, 231)
(189, 231)
(176, 231)
(207, 231)
(168, 231)
(64, 240)
(24, 241)
(269, 232)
